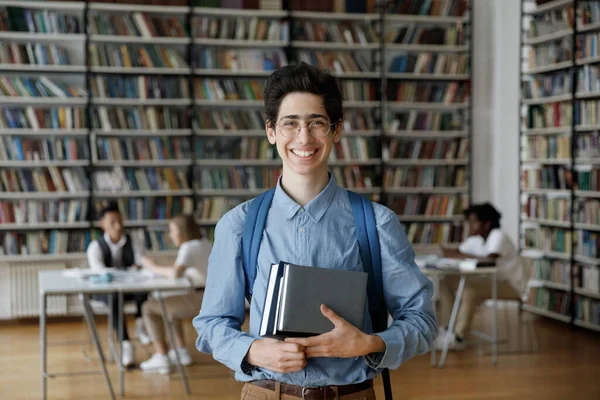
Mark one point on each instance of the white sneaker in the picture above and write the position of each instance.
(157, 363)
(454, 344)
(184, 357)
(128, 356)
(140, 331)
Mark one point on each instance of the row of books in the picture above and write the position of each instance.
(355, 148)
(553, 300)
(33, 54)
(588, 179)
(157, 148)
(120, 179)
(139, 87)
(228, 120)
(587, 112)
(551, 21)
(588, 243)
(587, 211)
(213, 208)
(45, 242)
(588, 144)
(429, 205)
(425, 121)
(556, 271)
(588, 45)
(547, 177)
(429, 92)
(240, 60)
(136, 24)
(422, 34)
(43, 118)
(337, 61)
(228, 89)
(109, 118)
(351, 32)
(226, 27)
(434, 233)
(588, 80)
(21, 86)
(359, 90)
(430, 63)
(453, 8)
(155, 239)
(15, 148)
(546, 85)
(50, 179)
(238, 178)
(136, 56)
(149, 208)
(32, 212)
(18, 19)
(588, 277)
(549, 115)
(547, 208)
(589, 13)
(587, 310)
(427, 149)
(425, 177)
(550, 53)
(548, 239)
(546, 147)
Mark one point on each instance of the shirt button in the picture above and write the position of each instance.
(301, 229)
(302, 210)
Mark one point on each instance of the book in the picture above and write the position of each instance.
(295, 294)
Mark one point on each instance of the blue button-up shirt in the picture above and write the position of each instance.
(320, 234)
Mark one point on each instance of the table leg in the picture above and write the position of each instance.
(120, 355)
(495, 318)
(171, 334)
(43, 342)
(87, 313)
(111, 343)
(435, 310)
(457, 299)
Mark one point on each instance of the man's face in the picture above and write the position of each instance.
(112, 224)
(304, 153)
(476, 227)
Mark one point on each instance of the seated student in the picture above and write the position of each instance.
(115, 249)
(191, 262)
(486, 240)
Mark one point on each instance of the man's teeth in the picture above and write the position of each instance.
(301, 153)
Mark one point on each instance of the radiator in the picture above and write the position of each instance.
(24, 292)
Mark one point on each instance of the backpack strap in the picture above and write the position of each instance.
(370, 254)
(256, 219)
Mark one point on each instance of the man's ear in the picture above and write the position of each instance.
(270, 128)
(337, 133)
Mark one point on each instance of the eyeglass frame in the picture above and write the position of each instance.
(307, 127)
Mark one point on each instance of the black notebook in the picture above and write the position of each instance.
(295, 294)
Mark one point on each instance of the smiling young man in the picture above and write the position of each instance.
(310, 222)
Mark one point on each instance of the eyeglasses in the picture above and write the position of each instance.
(290, 128)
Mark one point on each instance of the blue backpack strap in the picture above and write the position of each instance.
(256, 219)
(370, 254)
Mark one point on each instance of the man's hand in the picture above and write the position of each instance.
(276, 355)
(344, 341)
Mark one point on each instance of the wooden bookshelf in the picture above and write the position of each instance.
(558, 223)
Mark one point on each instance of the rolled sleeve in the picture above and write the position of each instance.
(408, 294)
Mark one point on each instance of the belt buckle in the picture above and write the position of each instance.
(306, 389)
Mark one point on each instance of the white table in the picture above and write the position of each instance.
(54, 282)
(492, 272)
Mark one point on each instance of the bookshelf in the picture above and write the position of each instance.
(163, 107)
(559, 159)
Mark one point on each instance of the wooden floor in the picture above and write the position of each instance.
(566, 367)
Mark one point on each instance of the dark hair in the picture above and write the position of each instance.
(188, 227)
(110, 207)
(303, 78)
(485, 212)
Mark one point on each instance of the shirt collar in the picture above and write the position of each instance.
(117, 245)
(315, 209)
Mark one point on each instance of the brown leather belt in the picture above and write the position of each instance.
(318, 393)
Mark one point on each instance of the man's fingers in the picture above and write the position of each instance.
(308, 342)
(291, 347)
(317, 351)
(332, 316)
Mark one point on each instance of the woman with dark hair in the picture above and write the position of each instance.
(191, 263)
(486, 240)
